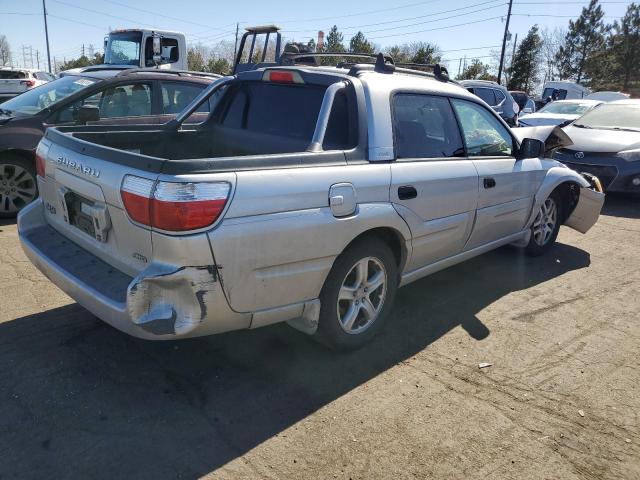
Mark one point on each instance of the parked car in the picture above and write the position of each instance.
(14, 81)
(560, 112)
(606, 143)
(106, 96)
(309, 195)
(521, 98)
(497, 97)
(607, 96)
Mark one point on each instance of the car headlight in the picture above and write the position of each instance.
(630, 155)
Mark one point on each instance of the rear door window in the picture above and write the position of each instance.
(425, 127)
(176, 96)
(486, 94)
(500, 97)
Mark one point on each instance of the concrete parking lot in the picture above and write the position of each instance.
(561, 400)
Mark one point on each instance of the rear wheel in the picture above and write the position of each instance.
(545, 226)
(357, 295)
(18, 186)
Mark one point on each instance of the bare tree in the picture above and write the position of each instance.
(552, 40)
(5, 51)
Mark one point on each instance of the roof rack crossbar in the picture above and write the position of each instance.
(180, 73)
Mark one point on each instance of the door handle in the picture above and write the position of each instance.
(489, 182)
(407, 192)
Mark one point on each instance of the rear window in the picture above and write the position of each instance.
(289, 111)
(12, 74)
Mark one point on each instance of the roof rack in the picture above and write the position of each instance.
(180, 73)
(98, 68)
(383, 64)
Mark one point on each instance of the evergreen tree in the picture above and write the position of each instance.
(476, 70)
(585, 36)
(334, 41)
(220, 66)
(524, 67)
(195, 60)
(426, 53)
(360, 44)
(625, 46)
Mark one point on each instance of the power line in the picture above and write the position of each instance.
(437, 28)
(166, 16)
(101, 13)
(370, 12)
(406, 19)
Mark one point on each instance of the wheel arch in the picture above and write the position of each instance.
(27, 155)
(563, 180)
(392, 237)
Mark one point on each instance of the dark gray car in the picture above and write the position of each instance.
(117, 97)
(606, 143)
(497, 97)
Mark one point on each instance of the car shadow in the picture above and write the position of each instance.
(80, 399)
(7, 221)
(621, 206)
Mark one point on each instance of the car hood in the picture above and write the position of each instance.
(553, 137)
(602, 141)
(543, 118)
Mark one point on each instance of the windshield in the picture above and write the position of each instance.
(123, 49)
(612, 116)
(39, 98)
(554, 94)
(567, 108)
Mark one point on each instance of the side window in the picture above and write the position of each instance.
(483, 132)
(133, 100)
(176, 96)
(342, 129)
(169, 51)
(69, 113)
(500, 97)
(487, 95)
(562, 94)
(425, 127)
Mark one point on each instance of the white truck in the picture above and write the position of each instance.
(142, 48)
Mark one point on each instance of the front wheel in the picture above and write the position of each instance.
(545, 226)
(357, 295)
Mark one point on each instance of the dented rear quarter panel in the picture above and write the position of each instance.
(279, 238)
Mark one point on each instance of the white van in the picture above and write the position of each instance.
(562, 90)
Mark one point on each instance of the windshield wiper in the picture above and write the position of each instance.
(5, 112)
(580, 125)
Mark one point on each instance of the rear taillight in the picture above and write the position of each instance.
(40, 165)
(29, 83)
(174, 206)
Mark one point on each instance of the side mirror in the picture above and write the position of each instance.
(88, 113)
(157, 49)
(530, 148)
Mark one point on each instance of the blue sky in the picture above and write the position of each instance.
(445, 22)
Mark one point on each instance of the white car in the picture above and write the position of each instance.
(14, 81)
(558, 113)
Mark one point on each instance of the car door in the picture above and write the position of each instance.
(434, 187)
(127, 102)
(506, 185)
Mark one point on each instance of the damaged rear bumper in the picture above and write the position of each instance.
(162, 302)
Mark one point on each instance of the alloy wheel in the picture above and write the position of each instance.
(17, 188)
(545, 222)
(362, 295)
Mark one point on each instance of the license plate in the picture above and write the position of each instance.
(88, 216)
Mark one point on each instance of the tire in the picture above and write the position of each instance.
(546, 225)
(18, 185)
(348, 323)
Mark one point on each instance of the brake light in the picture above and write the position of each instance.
(282, 76)
(174, 206)
(40, 165)
(29, 83)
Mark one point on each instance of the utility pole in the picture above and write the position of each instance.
(24, 57)
(235, 48)
(504, 41)
(46, 33)
(460, 66)
(31, 56)
(83, 49)
(38, 58)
